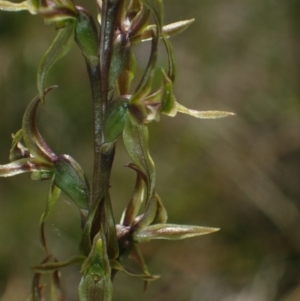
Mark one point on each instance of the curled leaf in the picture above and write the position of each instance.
(135, 202)
(33, 140)
(170, 232)
(135, 137)
(60, 46)
(144, 87)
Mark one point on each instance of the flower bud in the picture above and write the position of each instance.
(95, 283)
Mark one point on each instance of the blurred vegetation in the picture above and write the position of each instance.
(240, 173)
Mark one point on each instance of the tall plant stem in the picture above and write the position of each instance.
(98, 70)
(93, 68)
(109, 16)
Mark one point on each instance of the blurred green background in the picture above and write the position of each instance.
(240, 173)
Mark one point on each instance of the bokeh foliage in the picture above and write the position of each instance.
(240, 174)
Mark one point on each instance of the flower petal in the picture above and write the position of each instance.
(203, 114)
(10, 6)
(170, 232)
(24, 165)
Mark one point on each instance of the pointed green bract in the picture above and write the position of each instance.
(60, 46)
(86, 34)
(168, 102)
(135, 137)
(95, 283)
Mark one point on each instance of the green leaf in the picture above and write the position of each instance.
(168, 100)
(70, 178)
(86, 34)
(115, 119)
(170, 232)
(60, 47)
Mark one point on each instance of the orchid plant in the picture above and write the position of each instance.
(119, 110)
